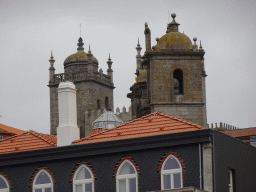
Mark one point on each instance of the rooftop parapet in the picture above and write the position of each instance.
(81, 76)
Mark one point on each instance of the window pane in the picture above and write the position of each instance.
(83, 174)
(2, 184)
(127, 168)
(43, 178)
(171, 163)
(122, 185)
(88, 187)
(177, 180)
(79, 188)
(38, 190)
(48, 190)
(167, 181)
(132, 185)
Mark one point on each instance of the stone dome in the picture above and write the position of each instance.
(79, 58)
(174, 40)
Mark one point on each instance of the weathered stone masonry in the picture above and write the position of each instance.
(94, 89)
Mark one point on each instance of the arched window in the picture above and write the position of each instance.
(178, 81)
(43, 182)
(106, 103)
(171, 173)
(127, 178)
(83, 180)
(4, 186)
(98, 104)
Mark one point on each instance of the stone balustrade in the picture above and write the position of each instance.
(81, 76)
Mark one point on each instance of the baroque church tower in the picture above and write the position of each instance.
(170, 77)
(94, 89)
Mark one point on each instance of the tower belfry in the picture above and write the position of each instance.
(170, 77)
(94, 88)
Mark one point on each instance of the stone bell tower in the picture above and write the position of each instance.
(170, 77)
(94, 88)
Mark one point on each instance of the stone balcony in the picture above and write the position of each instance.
(81, 76)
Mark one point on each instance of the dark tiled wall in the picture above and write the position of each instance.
(104, 164)
(233, 154)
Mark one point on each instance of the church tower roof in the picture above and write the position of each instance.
(173, 39)
(80, 57)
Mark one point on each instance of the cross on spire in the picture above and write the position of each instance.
(80, 29)
(168, 16)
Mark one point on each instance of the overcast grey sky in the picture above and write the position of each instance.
(30, 29)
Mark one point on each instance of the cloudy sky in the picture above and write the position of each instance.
(30, 29)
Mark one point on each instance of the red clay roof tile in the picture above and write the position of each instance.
(152, 124)
(241, 132)
(27, 141)
(10, 129)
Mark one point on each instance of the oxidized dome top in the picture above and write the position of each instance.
(173, 39)
(80, 57)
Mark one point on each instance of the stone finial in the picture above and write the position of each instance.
(195, 47)
(86, 115)
(194, 39)
(90, 63)
(124, 109)
(117, 110)
(200, 47)
(138, 48)
(109, 62)
(157, 39)
(101, 71)
(51, 60)
(173, 26)
(98, 112)
(147, 37)
(89, 49)
(110, 71)
(173, 16)
(80, 45)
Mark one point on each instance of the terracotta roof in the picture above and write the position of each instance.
(27, 141)
(10, 129)
(96, 131)
(152, 124)
(241, 132)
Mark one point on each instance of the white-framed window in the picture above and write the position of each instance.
(127, 178)
(231, 183)
(171, 173)
(83, 180)
(4, 185)
(43, 182)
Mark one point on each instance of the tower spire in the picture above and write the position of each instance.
(80, 45)
(51, 69)
(138, 56)
(51, 60)
(110, 71)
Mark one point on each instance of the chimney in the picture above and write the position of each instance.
(67, 131)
